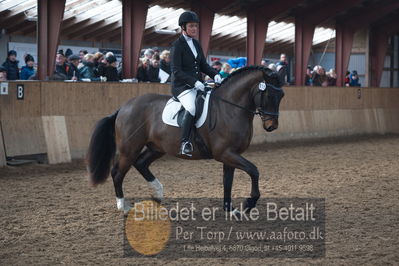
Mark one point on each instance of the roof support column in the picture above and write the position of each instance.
(256, 35)
(343, 48)
(50, 15)
(134, 15)
(379, 46)
(303, 44)
(206, 17)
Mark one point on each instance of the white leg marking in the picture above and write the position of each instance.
(158, 189)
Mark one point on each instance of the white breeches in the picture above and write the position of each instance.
(187, 99)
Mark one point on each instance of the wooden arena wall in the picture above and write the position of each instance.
(57, 117)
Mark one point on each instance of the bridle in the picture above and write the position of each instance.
(264, 90)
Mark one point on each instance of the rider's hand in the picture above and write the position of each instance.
(217, 79)
(199, 85)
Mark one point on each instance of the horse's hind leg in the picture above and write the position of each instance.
(118, 173)
(142, 165)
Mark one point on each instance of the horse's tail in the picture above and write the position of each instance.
(101, 149)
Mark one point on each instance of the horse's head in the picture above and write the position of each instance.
(267, 99)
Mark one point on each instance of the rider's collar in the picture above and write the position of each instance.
(187, 38)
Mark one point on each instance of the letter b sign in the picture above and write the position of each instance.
(20, 92)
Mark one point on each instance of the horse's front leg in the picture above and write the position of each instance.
(228, 176)
(234, 160)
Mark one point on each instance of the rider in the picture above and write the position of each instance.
(187, 63)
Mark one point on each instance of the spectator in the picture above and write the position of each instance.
(165, 61)
(100, 70)
(148, 53)
(98, 63)
(11, 65)
(73, 71)
(3, 73)
(282, 69)
(217, 66)
(319, 77)
(27, 71)
(354, 79)
(237, 62)
(225, 70)
(68, 53)
(264, 62)
(332, 77)
(142, 71)
(347, 78)
(272, 67)
(153, 71)
(308, 77)
(87, 70)
(82, 53)
(61, 66)
(111, 72)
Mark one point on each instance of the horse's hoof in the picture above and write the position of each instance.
(235, 214)
(156, 199)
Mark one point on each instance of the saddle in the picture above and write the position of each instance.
(199, 107)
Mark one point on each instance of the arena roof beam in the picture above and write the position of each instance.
(258, 19)
(134, 13)
(348, 25)
(305, 23)
(50, 15)
(380, 35)
(92, 16)
(92, 27)
(206, 10)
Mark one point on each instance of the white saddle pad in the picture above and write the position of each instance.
(172, 107)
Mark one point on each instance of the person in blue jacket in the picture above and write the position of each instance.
(27, 71)
(237, 62)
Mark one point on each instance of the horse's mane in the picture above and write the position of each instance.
(244, 70)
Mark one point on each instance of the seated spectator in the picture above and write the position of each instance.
(98, 57)
(308, 76)
(11, 65)
(87, 70)
(142, 71)
(319, 77)
(68, 53)
(111, 72)
(226, 68)
(165, 61)
(264, 62)
(82, 53)
(100, 70)
(347, 78)
(73, 71)
(272, 67)
(332, 77)
(354, 79)
(3, 73)
(27, 71)
(237, 62)
(61, 66)
(153, 71)
(148, 53)
(217, 66)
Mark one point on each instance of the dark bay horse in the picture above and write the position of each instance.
(141, 137)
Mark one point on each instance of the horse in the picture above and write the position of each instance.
(141, 137)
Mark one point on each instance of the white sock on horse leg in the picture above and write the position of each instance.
(120, 203)
(158, 188)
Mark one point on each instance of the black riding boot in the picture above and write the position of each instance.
(187, 123)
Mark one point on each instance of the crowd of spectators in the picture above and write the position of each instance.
(319, 77)
(154, 66)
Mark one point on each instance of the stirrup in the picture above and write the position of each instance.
(186, 148)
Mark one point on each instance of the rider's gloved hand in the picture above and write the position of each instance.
(217, 79)
(199, 85)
